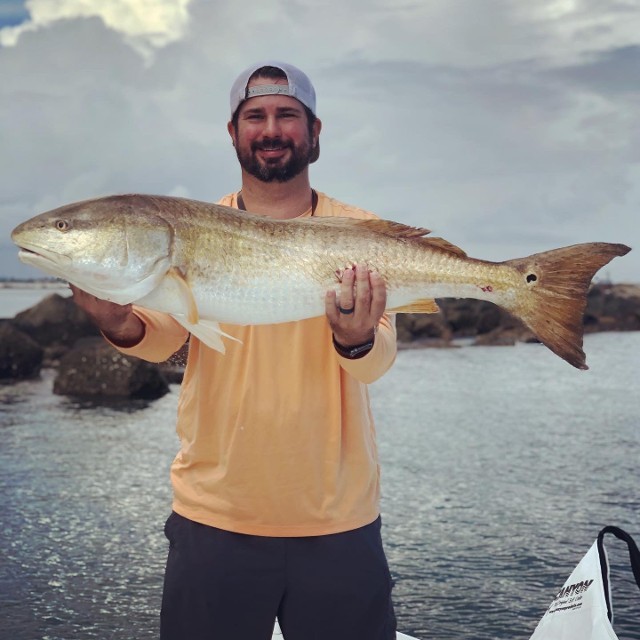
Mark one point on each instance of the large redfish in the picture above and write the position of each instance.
(205, 263)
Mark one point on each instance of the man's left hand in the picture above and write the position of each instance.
(354, 312)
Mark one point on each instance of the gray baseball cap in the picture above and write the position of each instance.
(299, 87)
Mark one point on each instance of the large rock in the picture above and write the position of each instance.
(613, 308)
(20, 355)
(56, 321)
(93, 368)
(426, 328)
(468, 317)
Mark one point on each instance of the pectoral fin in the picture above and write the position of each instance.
(185, 293)
(207, 331)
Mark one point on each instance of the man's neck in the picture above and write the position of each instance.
(277, 199)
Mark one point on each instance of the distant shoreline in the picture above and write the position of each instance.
(32, 284)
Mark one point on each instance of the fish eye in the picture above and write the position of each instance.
(62, 225)
(532, 277)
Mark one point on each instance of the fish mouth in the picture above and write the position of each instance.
(42, 258)
(28, 252)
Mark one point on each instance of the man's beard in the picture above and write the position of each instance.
(277, 171)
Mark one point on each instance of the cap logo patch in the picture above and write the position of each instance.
(268, 90)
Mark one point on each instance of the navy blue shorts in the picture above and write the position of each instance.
(221, 585)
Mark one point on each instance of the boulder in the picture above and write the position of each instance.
(468, 317)
(20, 355)
(55, 322)
(93, 368)
(613, 308)
(428, 327)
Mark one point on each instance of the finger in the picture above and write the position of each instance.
(81, 298)
(378, 296)
(363, 290)
(346, 300)
(75, 292)
(331, 307)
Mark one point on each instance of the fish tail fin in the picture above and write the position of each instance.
(557, 283)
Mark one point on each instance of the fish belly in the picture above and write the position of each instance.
(258, 300)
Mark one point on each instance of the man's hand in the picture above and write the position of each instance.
(355, 312)
(117, 322)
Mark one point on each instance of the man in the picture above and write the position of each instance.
(276, 485)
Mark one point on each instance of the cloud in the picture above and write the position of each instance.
(146, 24)
(506, 127)
(611, 72)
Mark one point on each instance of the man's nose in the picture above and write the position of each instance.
(271, 127)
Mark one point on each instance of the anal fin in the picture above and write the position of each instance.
(426, 305)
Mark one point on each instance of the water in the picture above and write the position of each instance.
(500, 466)
(19, 298)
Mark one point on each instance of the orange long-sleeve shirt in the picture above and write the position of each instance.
(277, 436)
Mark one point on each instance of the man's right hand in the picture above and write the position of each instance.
(117, 322)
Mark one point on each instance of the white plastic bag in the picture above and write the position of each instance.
(582, 608)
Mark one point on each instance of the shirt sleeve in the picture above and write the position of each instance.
(379, 360)
(163, 336)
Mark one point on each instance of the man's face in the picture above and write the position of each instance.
(272, 138)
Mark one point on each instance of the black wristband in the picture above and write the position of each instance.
(353, 353)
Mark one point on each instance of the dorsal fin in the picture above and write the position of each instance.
(445, 245)
(390, 229)
(384, 227)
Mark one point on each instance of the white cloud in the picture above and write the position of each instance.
(146, 24)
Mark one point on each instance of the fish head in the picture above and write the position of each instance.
(116, 248)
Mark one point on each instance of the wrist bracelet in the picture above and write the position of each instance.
(353, 353)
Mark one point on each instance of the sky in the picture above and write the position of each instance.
(506, 127)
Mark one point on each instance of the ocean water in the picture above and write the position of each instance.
(15, 299)
(499, 467)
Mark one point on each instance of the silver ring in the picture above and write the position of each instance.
(346, 312)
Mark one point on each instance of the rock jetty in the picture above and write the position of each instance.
(56, 334)
(609, 308)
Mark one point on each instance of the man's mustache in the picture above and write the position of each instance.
(270, 144)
